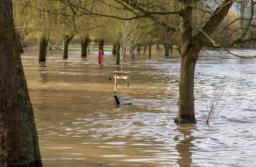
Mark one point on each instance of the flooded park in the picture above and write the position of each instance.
(127, 83)
(79, 124)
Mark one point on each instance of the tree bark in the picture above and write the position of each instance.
(43, 49)
(18, 136)
(20, 48)
(118, 56)
(186, 90)
(67, 39)
(84, 47)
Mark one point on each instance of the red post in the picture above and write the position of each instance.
(100, 57)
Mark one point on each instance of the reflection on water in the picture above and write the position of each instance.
(184, 146)
(79, 125)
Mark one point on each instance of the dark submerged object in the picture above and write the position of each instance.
(118, 102)
(117, 99)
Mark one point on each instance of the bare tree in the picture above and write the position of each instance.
(214, 103)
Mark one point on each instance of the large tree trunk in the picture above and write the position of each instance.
(186, 89)
(191, 46)
(118, 56)
(19, 142)
(67, 40)
(43, 43)
(187, 69)
(84, 47)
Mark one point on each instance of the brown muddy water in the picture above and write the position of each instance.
(79, 125)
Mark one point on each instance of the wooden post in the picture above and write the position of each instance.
(121, 75)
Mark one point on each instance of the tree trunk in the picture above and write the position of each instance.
(19, 142)
(43, 49)
(67, 40)
(186, 90)
(118, 56)
(149, 50)
(166, 50)
(101, 46)
(84, 47)
(114, 49)
(66, 43)
(187, 69)
(138, 48)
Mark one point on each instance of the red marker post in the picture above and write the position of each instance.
(100, 57)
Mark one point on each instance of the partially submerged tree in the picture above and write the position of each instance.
(84, 46)
(43, 44)
(19, 142)
(192, 42)
(190, 48)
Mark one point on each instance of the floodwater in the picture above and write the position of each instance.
(80, 126)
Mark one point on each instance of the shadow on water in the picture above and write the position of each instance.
(184, 145)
